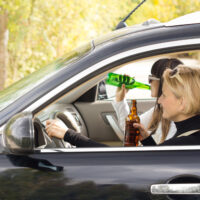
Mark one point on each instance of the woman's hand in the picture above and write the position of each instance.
(53, 129)
(121, 93)
(143, 132)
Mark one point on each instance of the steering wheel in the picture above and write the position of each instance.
(65, 119)
(41, 138)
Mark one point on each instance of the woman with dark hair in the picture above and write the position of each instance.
(160, 128)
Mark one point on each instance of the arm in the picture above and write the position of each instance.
(79, 140)
(193, 139)
(121, 106)
(122, 111)
(149, 141)
(54, 130)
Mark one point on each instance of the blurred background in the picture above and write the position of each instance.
(33, 33)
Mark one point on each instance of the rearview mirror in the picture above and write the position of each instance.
(102, 94)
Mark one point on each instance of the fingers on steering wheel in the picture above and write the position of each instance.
(49, 129)
(49, 121)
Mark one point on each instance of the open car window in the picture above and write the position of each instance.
(93, 118)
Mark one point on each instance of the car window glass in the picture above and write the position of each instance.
(25, 85)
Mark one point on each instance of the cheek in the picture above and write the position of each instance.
(169, 106)
(162, 102)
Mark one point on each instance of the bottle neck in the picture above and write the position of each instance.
(133, 110)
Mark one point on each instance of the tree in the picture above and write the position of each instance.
(3, 48)
(40, 31)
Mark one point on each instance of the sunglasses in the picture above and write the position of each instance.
(153, 78)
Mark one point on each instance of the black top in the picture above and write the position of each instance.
(192, 123)
(79, 140)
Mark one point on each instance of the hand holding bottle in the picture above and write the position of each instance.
(121, 93)
(143, 132)
(131, 137)
(130, 83)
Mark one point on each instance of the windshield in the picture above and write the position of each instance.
(18, 89)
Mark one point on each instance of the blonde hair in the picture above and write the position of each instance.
(154, 123)
(157, 70)
(184, 81)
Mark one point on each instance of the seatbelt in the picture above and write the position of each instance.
(188, 133)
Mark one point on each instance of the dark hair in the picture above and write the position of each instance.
(157, 70)
(160, 66)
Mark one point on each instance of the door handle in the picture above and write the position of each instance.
(186, 188)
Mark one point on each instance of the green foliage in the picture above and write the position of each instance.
(40, 30)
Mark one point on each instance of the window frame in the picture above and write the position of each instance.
(134, 54)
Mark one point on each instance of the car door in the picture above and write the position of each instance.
(102, 173)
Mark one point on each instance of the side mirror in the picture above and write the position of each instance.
(18, 134)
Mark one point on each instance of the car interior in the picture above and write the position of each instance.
(88, 108)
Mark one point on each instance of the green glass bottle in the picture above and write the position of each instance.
(130, 83)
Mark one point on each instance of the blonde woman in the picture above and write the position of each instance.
(180, 102)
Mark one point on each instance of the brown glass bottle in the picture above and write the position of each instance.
(132, 134)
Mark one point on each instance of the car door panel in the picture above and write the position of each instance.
(98, 111)
(93, 174)
(94, 117)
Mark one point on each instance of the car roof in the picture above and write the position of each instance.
(149, 24)
(192, 18)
